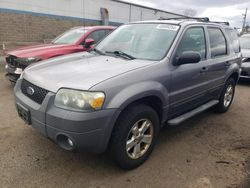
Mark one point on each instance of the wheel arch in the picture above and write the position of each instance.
(152, 101)
(235, 76)
(150, 93)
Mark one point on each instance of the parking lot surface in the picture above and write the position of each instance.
(210, 150)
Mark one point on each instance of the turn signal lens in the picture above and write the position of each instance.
(97, 103)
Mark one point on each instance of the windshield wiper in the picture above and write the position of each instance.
(121, 54)
(97, 51)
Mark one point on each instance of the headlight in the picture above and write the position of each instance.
(28, 60)
(244, 60)
(79, 100)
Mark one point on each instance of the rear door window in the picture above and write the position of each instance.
(218, 45)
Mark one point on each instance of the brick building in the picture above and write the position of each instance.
(36, 20)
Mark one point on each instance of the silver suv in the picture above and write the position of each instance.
(142, 76)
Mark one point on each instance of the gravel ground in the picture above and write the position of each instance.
(208, 151)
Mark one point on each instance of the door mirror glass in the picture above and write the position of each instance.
(188, 58)
(89, 42)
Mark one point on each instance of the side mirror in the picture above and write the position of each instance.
(187, 58)
(88, 42)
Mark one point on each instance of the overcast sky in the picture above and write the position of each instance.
(217, 10)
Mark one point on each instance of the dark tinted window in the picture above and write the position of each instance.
(234, 39)
(217, 42)
(193, 40)
(98, 35)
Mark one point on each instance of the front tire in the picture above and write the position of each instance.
(226, 97)
(134, 136)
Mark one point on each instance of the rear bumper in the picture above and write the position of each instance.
(88, 131)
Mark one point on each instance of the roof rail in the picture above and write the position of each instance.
(224, 23)
(204, 19)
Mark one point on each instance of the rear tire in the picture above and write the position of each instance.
(226, 97)
(134, 136)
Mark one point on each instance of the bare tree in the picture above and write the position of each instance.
(190, 12)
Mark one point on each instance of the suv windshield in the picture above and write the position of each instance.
(245, 42)
(142, 41)
(70, 37)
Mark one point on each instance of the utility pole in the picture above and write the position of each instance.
(244, 21)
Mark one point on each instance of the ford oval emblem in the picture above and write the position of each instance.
(30, 90)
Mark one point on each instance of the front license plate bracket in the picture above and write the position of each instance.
(23, 113)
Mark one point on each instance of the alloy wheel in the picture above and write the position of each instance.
(139, 138)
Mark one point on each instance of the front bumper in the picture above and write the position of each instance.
(245, 73)
(12, 73)
(88, 131)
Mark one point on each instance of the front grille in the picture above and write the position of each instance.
(38, 93)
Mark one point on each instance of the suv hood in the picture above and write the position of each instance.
(79, 71)
(37, 50)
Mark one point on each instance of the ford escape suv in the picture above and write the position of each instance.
(142, 76)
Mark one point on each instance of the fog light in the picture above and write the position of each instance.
(65, 142)
(70, 142)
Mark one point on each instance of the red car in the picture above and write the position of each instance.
(77, 39)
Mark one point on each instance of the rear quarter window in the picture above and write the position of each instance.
(233, 37)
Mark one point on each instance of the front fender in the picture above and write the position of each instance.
(138, 91)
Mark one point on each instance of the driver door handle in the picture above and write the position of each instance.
(227, 63)
(203, 69)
